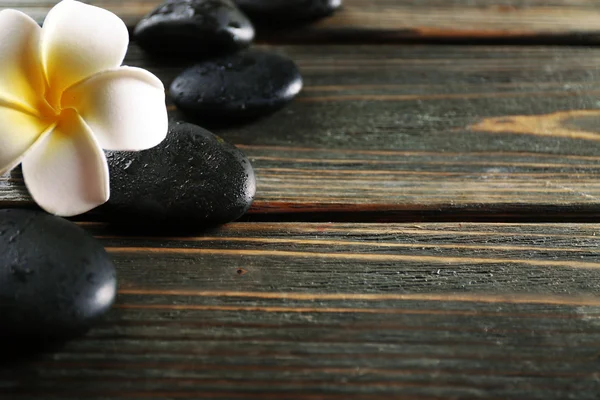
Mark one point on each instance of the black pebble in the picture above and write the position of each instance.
(55, 279)
(195, 28)
(239, 86)
(193, 179)
(281, 12)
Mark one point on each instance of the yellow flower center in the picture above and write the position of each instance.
(49, 105)
(50, 109)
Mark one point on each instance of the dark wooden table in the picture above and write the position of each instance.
(427, 224)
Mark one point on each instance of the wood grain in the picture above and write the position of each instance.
(322, 310)
(400, 133)
(339, 311)
(550, 21)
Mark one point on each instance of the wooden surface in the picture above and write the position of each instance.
(340, 311)
(559, 21)
(401, 132)
(372, 264)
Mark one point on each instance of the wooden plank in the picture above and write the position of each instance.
(431, 132)
(339, 311)
(524, 20)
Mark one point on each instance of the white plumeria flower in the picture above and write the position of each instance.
(64, 98)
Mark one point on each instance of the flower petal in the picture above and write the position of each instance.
(79, 40)
(22, 79)
(125, 108)
(18, 133)
(67, 173)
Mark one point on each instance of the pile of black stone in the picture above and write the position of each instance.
(228, 82)
(194, 179)
(56, 280)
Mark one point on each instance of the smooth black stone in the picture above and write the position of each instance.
(194, 28)
(55, 279)
(280, 12)
(193, 179)
(248, 84)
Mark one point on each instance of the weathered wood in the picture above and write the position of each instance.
(553, 21)
(491, 259)
(344, 311)
(374, 311)
(423, 132)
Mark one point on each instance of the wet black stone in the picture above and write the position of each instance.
(281, 12)
(248, 84)
(193, 179)
(194, 28)
(55, 279)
